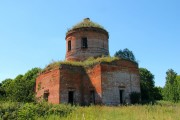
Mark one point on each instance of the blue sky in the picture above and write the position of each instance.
(32, 32)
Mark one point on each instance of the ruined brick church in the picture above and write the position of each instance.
(108, 83)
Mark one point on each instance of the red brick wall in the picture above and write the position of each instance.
(106, 79)
(80, 81)
(94, 76)
(49, 81)
(97, 45)
(71, 80)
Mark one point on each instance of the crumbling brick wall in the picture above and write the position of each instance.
(71, 80)
(120, 75)
(48, 83)
(104, 79)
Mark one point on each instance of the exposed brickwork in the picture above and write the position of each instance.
(71, 80)
(105, 79)
(81, 81)
(104, 83)
(93, 82)
(97, 41)
(120, 75)
(49, 82)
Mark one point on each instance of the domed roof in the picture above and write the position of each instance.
(87, 23)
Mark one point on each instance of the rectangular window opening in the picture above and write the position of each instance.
(46, 95)
(69, 45)
(84, 43)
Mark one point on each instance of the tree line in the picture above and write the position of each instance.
(22, 88)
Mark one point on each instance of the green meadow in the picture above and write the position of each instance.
(44, 111)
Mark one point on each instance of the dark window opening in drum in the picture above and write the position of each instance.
(84, 42)
(69, 45)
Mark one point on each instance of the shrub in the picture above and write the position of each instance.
(135, 97)
(61, 110)
(9, 110)
(27, 112)
(32, 111)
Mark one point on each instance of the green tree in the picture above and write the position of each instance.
(21, 89)
(147, 85)
(7, 85)
(178, 82)
(125, 54)
(24, 90)
(29, 81)
(18, 89)
(2, 91)
(157, 91)
(171, 89)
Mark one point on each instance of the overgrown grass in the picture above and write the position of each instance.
(86, 23)
(134, 112)
(87, 63)
(32, 111)
(44, 111)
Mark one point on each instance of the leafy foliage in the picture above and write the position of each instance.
(171, 90)
(32, 111)
(158, 93)
(147, 85)
(2, 91)
(135, 97)
(6, 87)
(9, 110)
(21, 89)
(126, 54)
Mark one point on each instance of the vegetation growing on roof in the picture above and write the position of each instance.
(86, 23)
(87, 63)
